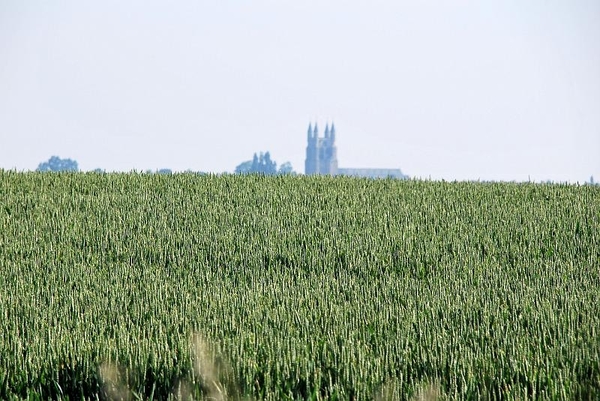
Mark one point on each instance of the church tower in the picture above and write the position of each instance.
(311, 164)
(321, 153)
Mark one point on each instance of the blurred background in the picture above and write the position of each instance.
(461, 90)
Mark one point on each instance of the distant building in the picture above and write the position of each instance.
(321, 153)
(321, 158)
(373, 172)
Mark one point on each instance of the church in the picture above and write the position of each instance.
(321, 158)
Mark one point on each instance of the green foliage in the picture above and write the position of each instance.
(55, 163)
(300, 288)
(262, 164)
(286, 168)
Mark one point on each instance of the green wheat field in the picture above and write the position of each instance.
(222, 287)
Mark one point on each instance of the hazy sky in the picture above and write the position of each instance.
(491, 90)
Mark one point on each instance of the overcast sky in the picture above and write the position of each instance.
(460, 90)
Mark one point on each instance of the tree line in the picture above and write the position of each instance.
(261, 163)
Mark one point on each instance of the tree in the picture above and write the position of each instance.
(244, 167)
(260, 164)
(286, 168)
(55, 163)
(267, 166)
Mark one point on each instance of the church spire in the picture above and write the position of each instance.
(327, 130)
(309, 131)
(332, 132)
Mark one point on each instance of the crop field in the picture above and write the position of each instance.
(145, 286)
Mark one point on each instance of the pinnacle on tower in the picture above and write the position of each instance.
(316, 131)
(326, 130)
(332, 132)
(310, 131)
